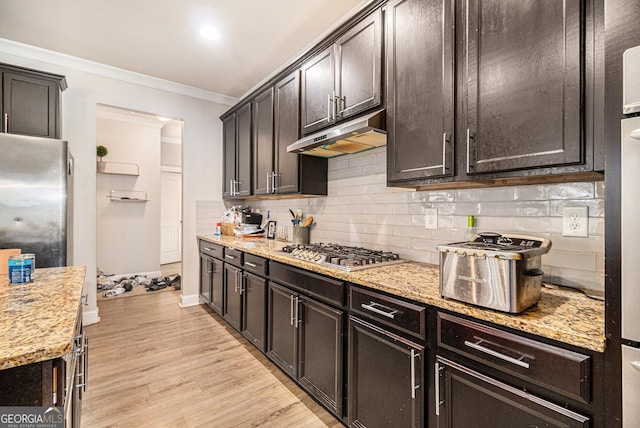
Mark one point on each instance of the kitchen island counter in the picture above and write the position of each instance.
(562, 314)
(38, 319)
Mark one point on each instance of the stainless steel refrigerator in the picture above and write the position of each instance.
(630, 231)
(35, 197)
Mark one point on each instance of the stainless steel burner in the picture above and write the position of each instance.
(341, 256)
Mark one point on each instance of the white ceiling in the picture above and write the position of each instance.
(161, 39)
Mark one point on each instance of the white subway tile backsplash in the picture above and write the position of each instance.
(361, 210)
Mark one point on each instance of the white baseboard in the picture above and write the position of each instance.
(90, 317)
(190, 300)
(119, 276)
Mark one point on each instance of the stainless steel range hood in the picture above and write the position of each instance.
(363, 133)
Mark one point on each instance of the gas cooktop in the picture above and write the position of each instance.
(342, 257)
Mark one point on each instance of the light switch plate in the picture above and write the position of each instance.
(575, 221)
(431, 218)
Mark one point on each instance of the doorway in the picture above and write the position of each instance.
(141, 235)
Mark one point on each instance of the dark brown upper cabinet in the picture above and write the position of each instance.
(490, 90)
(420, 89)
(521, 84)
(263, 143)
(30, 102)
(237, 153)
(345, 79)
(276, 119)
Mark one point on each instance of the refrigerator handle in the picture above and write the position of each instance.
(70, 166)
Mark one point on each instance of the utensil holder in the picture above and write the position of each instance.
(300, 235)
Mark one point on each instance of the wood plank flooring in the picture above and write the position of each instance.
(154, 364)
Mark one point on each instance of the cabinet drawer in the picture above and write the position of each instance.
(396, 313)
(233, 256)
(256, 264)
(546, 365)
(213, 250)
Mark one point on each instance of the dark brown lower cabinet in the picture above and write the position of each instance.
(254, 315)
(205, 279)
(305, 339)
(233, 289)
(217, 285)
(385, 378)
(467, 398)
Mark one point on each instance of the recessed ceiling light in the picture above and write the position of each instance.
(210, 33)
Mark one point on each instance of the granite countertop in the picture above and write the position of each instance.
(562, 314)
(37, 319)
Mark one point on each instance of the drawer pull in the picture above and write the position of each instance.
(373, 307)
(478, 347)
(250, 264)
(229, 256)
(208, 249)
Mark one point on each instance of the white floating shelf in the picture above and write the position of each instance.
(128, 195)
(117, 168)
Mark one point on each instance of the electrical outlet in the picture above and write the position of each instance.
(575, 221)
(431, 218)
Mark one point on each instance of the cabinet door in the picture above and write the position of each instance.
(229, 154)
(321, 352)
(233, 284)
(287, 119)
(420, 89)
(206, 270)
(470, 399)
(521, 83)
(282, 334)
(317, 99)
(263, 142)
(358, 53)
(30, 104)
(243, 151)
(385, 378)
(217, 285)
(254, 310)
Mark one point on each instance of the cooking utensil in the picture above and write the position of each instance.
(308, 221)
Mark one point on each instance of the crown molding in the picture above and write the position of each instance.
(21, 50)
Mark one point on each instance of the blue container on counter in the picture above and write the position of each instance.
(21, 267)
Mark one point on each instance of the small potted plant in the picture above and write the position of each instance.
(101, 151)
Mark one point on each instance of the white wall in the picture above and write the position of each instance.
(90, 84)
(361, 210)
(128, 233)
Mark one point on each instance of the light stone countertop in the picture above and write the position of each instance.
(37, 319)
(562, 314)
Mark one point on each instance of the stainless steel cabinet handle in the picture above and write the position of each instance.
(477, 346)
(372, 307)
(436, 386)
(333, 106)
(208, 249)
(413, 373)
(297, 311)
(468, 150)
(229, 256)
(444, 153)
(241, 282)
(291, 296)
(250, 264)
(328, 108)
(274, 188)
(6, 122)
(269, 182)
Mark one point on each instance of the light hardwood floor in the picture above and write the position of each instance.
(154, 364)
